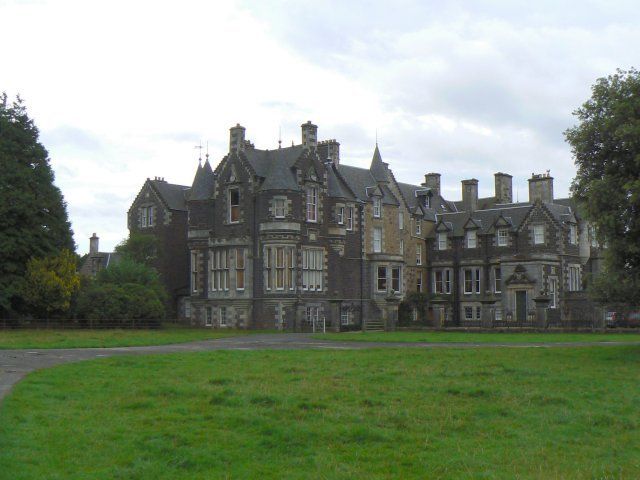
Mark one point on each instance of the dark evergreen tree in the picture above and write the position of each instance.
(33, 214)
(606, 147)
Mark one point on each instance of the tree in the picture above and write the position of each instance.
(33, 214)
(606, 146)
(50, 284)
(140, 247)
(123, 293)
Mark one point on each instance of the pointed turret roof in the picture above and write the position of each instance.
(202, 187)
(378, 167)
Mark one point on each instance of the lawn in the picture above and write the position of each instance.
(475, 337)
(44, 338)
(378, 413)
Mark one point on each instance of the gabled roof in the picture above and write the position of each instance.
(336, 186)
(279, 175)
(261, 160)
(203, 183)
(358, 180)
(514, 215)
(173, 195)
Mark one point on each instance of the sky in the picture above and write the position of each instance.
(125, 90)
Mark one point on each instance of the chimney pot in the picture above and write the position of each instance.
(93, 244)
(541, 188)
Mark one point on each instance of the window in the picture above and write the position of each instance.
(340, 215)
(395, 279)
(312, 314)
(419, 282)
(503, 237)
(478, 313)
(468, 313)
(234, 205)
(401, 247)
(312, 204)
(291, 274)
(312, 269)
(146, 216)
(573, 234)
(219, 280)
(279, 207)
(194, 272)
(222, 312)
(472, 239)
(418, 226)
(346, 317)
(418, 254)
(240, 268)
(377, 240)
(187, 310)
(208, 321)
(593, 237)
(471, 280)
(553, 293)
(497, 314)
(442, 281)
(497, 280)
(349, 218)
(268, 266)
(442, 241)
(427, 201)
(401, 220)
(538, 234)
(377, 207)
(382, 279)
(575, 280)
(280, 268)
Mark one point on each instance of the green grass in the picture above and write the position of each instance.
(43, 338)
(378, 413)
(474, 337)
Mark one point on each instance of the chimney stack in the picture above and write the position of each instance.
(236, 138)
(333, 150)
(432, 181)
(541, 188)
(504, 188)
(470, 195)
(309, 135)
(93, 244)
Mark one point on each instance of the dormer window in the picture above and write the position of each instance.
(377, 207)
(234, 205)
(442, 241)
(503, 237)
(312, 204)
(573, 234)
(427, 201)
(418, 227)
(538, 234)
(472, 239)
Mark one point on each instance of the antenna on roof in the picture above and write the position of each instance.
(279, 137)
(199, 147)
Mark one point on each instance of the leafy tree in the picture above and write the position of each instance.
(606, 147)
(33, 214)
(50, 283)
(123, 294)
(140, 247)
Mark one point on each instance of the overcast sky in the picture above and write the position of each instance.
(124, 90)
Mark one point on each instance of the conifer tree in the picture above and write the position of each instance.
(33, 214)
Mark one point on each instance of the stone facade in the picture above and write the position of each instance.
(294, 239)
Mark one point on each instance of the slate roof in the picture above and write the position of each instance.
(378, 168)
(358, 180)
(107, 258)
(279, 174)
(513, 213)
(173, 195)
(336, 186)
(438, 203)
(261, 160)
(203, 183)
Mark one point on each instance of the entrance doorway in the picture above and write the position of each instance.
(521, 305)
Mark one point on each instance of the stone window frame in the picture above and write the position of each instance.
(220, 278)
(340, 214)
(538, 234)
(312, 199)
(194, 271)
(446, 275)
(475, 279)
(346, 317)
(573, 234)
(240, 253)
(233, 208)
(468, 237)
(400, 220)
(553, 292)
(418, 226)
(476, 311)
(147, 216)
(377, 206)
(380, 279)
(574, 277)
(502, 233)
(442, 240)
(397, 268)
(379, 240)
(222, 316)
(283, 208)
(418, 254)
(208, 317)
(311, 256)
(272, 266)
(349, 217)
(497, 279)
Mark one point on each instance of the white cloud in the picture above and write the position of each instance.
(124, 90)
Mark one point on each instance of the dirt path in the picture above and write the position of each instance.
(15, 364)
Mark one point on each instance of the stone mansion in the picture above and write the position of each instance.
(295, 239)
